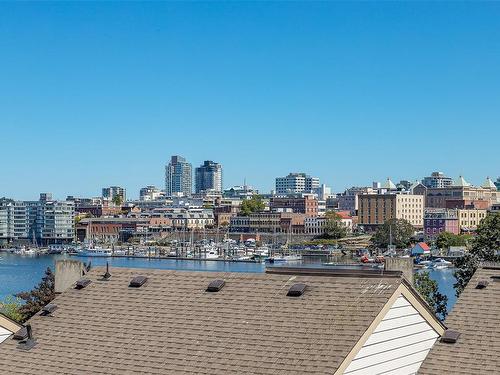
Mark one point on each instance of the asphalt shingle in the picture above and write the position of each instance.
(171, 325)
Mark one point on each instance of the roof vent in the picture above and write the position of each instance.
(82, 283)
(450, 336)
(138, 281)
(296, 290)
(48, 309)
(107, 275)
(481, 284)
(216, 285)
(29, 342)
(22, 334)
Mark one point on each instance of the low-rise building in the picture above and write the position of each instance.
(375, 209)
(439, 220)
(470, 219)
(315, 226)
(304, 204)
(269, 222)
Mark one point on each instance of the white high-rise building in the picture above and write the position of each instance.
(296, 183)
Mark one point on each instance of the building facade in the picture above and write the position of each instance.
(437, 180)
(461, 190)
(376, 209)
(470, 219)
(44, 222)
(306, 204)
(109, 193)
(150, 193)
(208, 178)
(178, 177)
(439, 220)
(296, 183)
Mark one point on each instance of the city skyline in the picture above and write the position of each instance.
(97, 95)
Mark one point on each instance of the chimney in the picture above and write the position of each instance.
(404, 265)
(68, 272)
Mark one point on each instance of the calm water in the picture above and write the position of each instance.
(19, 273)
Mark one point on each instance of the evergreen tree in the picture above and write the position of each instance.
(37, 298)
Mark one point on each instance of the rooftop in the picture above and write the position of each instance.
(476, 316)
(171, 324)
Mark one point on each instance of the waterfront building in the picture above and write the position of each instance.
(437, 180)
(375, 209)
(208, 178)
(151, 193)
(110, 230)
(109, 193)
(439, 220)
(316, 225)
(314, 321)
(474, 330)
(296, 183)
(178, 177)
(461, 190)
(301, 204)
(45, 221)
(268, 222)
(469, 219)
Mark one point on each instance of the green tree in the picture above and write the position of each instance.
(117, 200)
(37, 298)
(10, 308)
(445, 239)
(334, 228)
(429, 290)
(400, 230)
(483, 248)
(249, 206)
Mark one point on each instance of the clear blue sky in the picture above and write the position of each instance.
(94, 94)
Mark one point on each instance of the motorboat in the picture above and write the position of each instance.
(94, 252)
(440, 263)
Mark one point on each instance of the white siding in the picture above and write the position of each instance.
(398, 345)
(4, 334)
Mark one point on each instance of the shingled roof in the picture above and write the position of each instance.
(172, 325)
(476, 316)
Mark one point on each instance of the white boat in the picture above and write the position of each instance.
(25, 251)
(94, 252)
(210, 254)
(284, 258)
(440, 264)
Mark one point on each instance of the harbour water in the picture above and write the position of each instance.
(18, 273)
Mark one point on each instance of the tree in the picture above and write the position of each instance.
(249, 206)
(10, 307)
(334, 228)
(429, 290)
(446, 239)
(117, 200)
(483, 249)
(37, 298)
(400, 230)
